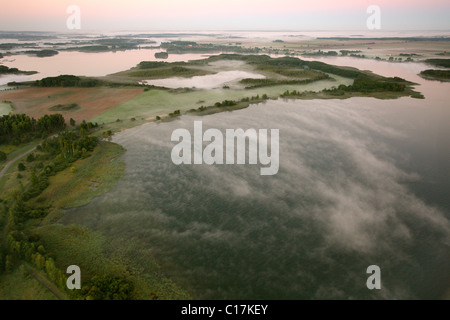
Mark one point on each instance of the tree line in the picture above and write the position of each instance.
(67, 81)
(20, 128)
(438, 74)
(6, 70)
(367, 84)
(22, 244)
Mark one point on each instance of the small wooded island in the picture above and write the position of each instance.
(161, 55)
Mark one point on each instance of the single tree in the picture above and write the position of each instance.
(30, 157)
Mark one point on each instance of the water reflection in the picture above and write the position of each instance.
(86, 64)
(362, 181)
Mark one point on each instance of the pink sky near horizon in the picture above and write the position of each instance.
(27, 11)
(52, 8)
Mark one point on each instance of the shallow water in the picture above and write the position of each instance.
(362, 181)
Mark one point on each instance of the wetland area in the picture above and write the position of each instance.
(363, 179)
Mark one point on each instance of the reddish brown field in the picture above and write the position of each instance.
(36, 102)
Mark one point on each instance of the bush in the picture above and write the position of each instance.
(107, 288)
(30, 158)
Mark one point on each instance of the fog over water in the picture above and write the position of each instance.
(361, 182)
(205, 82)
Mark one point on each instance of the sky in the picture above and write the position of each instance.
(295, 15)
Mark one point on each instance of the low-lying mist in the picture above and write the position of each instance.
(341, 201)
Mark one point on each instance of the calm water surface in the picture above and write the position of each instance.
(362, 181)
(84, 64)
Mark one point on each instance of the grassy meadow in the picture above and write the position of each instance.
(5, 108)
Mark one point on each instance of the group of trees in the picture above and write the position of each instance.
(339, 71)
(107, 287)
(6, 70)
(67, 81)
(225, 103)
(322, 53)
(21, 244)
(27, 247)
(42, 53)
(161, 55)
(19, 128)
(436, 74)
(367, 84)
(231, 103)
(175, 113)
(152, 64)
(361, 84)
(445, 63)
(288, 93)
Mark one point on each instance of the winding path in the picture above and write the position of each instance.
(14, 160)
(42, 281)
(9, 164)
(38, 278)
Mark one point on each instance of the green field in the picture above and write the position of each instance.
(95, 255)
(8, 182)
(5, 108)
(281, 74)
(161, 102)
(91, 177)
(21, 285)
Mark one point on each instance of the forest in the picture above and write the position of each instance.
(42, 53)
(443, 75)
(23, 209)
(366, 84)
(6, 70)
(67, 81)
(445, 63)
(20, 128)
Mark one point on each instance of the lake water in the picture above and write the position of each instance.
(361, 182)
(84, 64)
